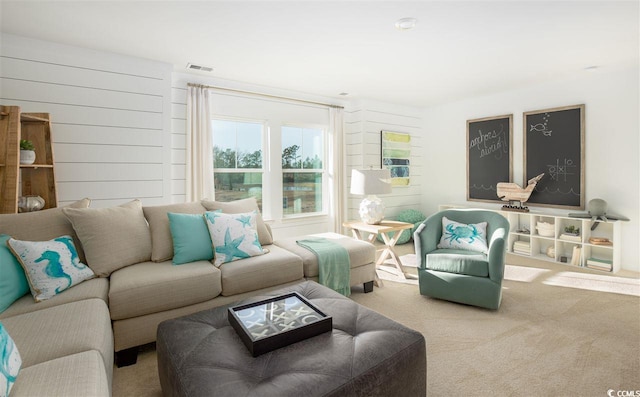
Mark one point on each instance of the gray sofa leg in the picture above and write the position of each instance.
(127, 357)
(368, 286)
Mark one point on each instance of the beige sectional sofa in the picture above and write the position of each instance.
(67, 343)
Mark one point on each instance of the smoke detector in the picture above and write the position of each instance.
(192, 66)
(406, 23)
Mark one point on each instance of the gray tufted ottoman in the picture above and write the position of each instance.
(366, 354)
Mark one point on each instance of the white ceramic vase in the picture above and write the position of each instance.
(27, 156)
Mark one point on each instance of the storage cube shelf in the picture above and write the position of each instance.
(599, 254)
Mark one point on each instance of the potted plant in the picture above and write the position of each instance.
(572, 230)
(27, 152)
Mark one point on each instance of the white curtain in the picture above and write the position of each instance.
(199, 183)
(337, 176)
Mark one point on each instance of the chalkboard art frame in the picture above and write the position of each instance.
(489, 156)
(554, 144)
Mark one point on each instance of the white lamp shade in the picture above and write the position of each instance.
(370, 182)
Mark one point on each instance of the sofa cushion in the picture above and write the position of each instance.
(51, 266)
(234, 236)
(62, 330)
(112, 237)
(13, 283)
(11, 362)
(42, 225)
(360, 252)
(458, 261)
(455, 235)
(157, 287)
(278, 266)
(162, 243)
(238, 206)
(191, 238)
(76, 375)
(90, 289)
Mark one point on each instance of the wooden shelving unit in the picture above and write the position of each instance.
(17, 179)
(557, 247)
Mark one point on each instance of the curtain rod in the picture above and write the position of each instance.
(266, 95)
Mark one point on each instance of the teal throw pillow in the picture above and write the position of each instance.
(457, 235)
(50, 266)
(13, 282)
(234, 236)
(191, 239)
(10, 362)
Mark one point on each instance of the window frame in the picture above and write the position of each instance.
(263, 147)
(325, 174)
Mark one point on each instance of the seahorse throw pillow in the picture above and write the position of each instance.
(234, 236)
(50, 266)
(472, 237)
(10, 362)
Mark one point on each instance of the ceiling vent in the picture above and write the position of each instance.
(199, 67)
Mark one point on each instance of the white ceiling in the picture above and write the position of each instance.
(457, 50)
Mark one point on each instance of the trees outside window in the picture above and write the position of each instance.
(303, 170)
(240, 169)
(237, 160)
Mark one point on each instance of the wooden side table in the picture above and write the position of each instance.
(390, 231)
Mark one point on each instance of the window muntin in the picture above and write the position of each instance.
(238, 160)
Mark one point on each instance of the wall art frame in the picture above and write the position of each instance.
(396, 156)
(489, 156)
(554, 143)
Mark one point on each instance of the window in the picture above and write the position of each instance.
(303, 170)
(237, 159)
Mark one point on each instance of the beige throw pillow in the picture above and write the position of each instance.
(42, 225)
(112, 237)
(240, 206)
(161, 240)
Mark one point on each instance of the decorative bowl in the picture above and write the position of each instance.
(30, 203)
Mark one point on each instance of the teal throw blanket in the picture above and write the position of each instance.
(334, 266)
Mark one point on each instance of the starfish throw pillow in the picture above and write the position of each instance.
(234, 236)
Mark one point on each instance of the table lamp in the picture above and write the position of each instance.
(369, 183)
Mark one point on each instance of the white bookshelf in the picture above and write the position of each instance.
(562, 250)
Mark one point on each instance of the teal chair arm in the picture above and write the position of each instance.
(426, 238)
(496, 255)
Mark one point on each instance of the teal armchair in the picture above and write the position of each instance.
(468, 277)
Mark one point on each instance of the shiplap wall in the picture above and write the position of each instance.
(363, 122)
(178, 140)
(110, 117)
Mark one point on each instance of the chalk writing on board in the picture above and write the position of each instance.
(490, 142)
(546, 189)
(483, 187)
(561, 170)
(489, 158)
(542, 127)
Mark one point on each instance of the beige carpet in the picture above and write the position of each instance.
(557, 333)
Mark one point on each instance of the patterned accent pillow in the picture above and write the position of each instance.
(50, 266)
(472, 237)
(234, 236)
(10, 362)
(242, 206)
